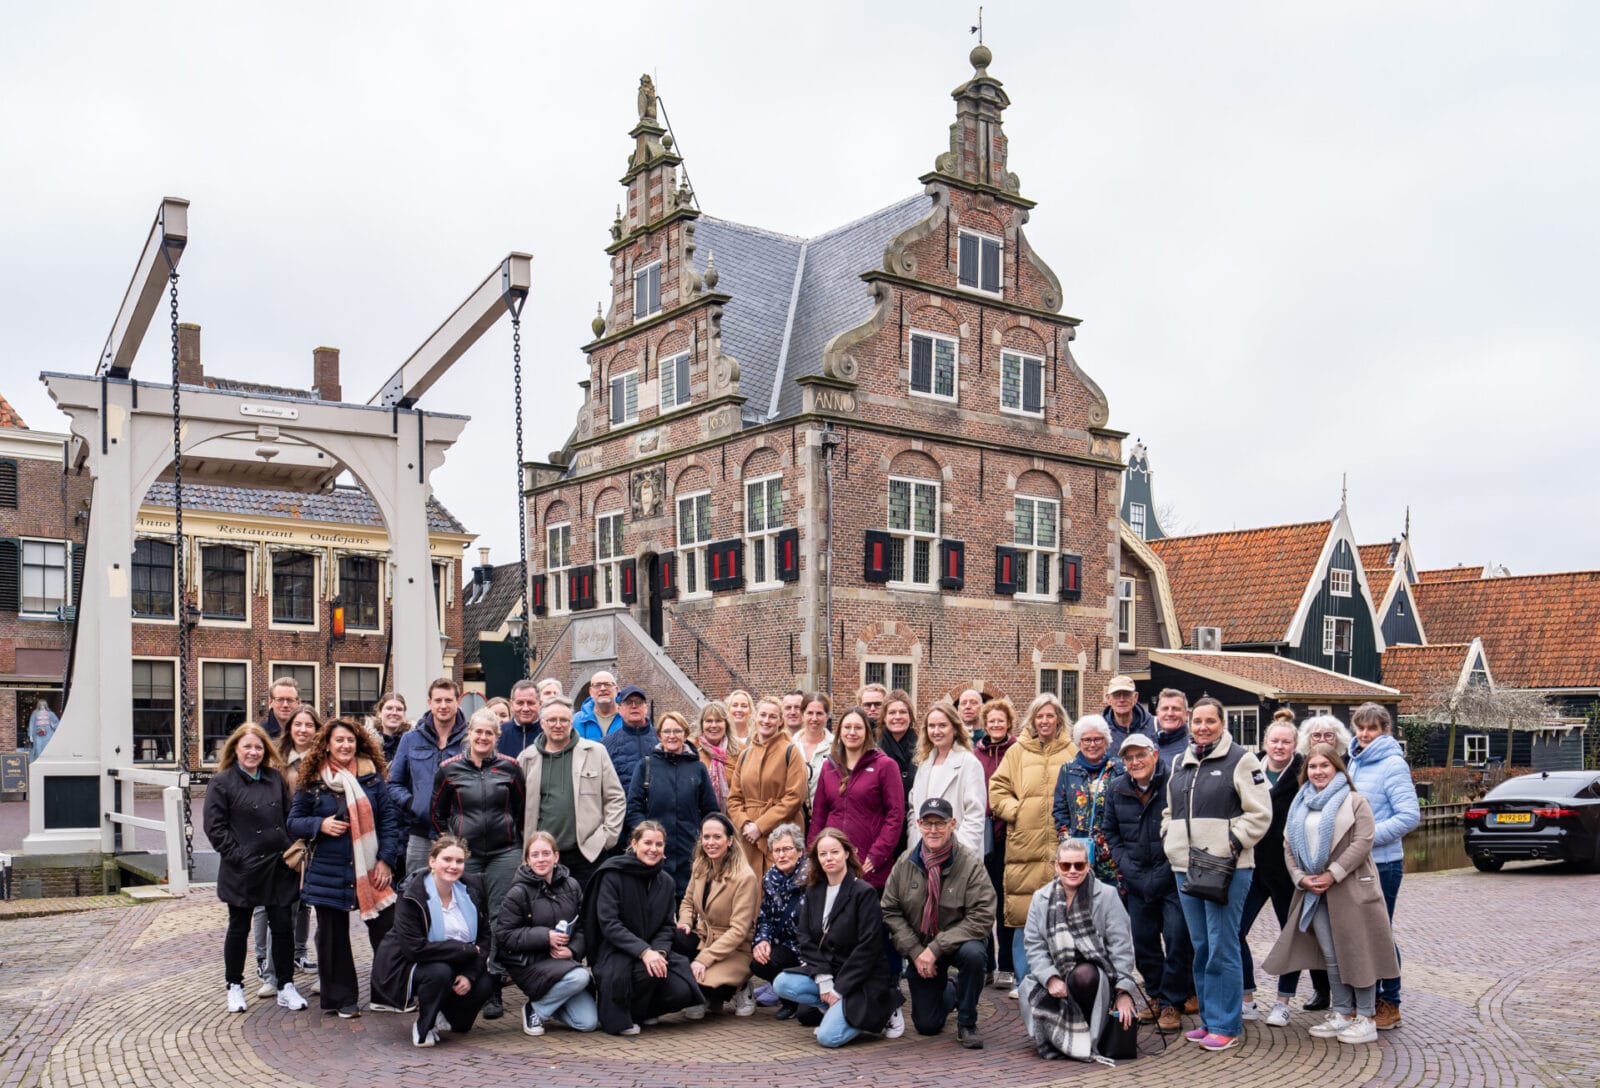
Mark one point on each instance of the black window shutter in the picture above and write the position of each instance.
(725, 559)
(921, 364)
(78, 551)
(1005, 570)
(536, 600)
(10, 576)
(668, 573)
(952, 564)
(788, 558)
(628, 570)
(1071, 577)
(619, 403)
(968, 261)
(876, 568)
(991, 265)
(681, 385)
(8, 483)
(580, 588)
(1032, 385)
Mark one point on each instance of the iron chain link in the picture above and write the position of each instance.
(180, 594)
(522, 505)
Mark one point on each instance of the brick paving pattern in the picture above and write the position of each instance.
(133, 996)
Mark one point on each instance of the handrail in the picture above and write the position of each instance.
(738, 678)
(173, 815)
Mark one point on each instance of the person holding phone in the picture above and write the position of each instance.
(541, 944)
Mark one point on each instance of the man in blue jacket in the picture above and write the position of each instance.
(599, 715)
(636, 739)
(522, 728)
(1124, 713)
(417, 760)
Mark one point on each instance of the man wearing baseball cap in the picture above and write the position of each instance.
(1124, 714)
(939, 906)
(635, 739)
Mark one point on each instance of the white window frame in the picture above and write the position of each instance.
(1061, 669)
(761, 541)
(444, 592)
(339, 683)
(383, 583)
(1126, 601)
(1341, 581)
(556, 573)
(680, 397)
(173, 663)
(275, 669)
(888, 664)
(608, 564)
(273, 623)
(250, 559)
(1136, 519)
(644, 272)
(909, 538)
(1022, 358)
(999, 289)
(629, 379)
(934, 339)
(1478, 742)
(1312, 711)
(1330, 635)
(693, 580)
(1035, 557)
(200, 701)
(1236, 715)
(54, 612)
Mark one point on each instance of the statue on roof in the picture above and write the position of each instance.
(647, 98)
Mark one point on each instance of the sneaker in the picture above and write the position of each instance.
(1168, 1021)
(744, 1001)
(1362, 1029)
(695, 1012)
(378, 1006)
(289, 998)
(1387, 1017)
(766, 997)
(1279, 1016)
(532, 1022)
(787, 1011)
(1004, 980)
(1219, 1042)
(1318, 1003)
(969, 1037)
(305, 963)
(237, 1002)
(1191, 1005)
(896, 1027)
(492, 1008)
(268, 988)
(1012, 993)
(350, 1012)
(1331, 1027)
(419, 1039)
(1198, 1035)
(631, 1029)
(1249, 1011)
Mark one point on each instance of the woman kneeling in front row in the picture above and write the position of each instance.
(541, 940)
(437, 951)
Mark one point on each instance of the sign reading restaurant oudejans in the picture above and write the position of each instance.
(260, 532)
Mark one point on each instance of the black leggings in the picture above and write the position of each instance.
(1083, 986)
(432, 986)
(280, 923)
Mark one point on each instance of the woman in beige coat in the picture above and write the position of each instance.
(767, 786)
(718, 914)
(1337, 917)
(1021, 792)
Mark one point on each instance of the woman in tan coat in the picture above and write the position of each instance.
(768, 785)
(1021, 792)
(1337, 918)
(718, 915)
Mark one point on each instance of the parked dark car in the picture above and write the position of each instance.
(1553, 815)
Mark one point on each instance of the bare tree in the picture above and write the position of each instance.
(1480, 708)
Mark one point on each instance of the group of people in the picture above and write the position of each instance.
(617, 867)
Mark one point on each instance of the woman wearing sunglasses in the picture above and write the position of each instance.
(1079, 949)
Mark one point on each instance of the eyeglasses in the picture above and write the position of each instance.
(871, 706)
(932, 823)
(1072, 866)
(1323, 735)
(784, 850)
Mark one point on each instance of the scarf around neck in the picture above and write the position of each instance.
(718, 766)
(1312, 857)
(935, 864)
(458, 899)
(363, 841)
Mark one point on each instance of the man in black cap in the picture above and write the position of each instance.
(939, 906)
(635, 739)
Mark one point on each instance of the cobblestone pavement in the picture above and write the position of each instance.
(1499, 973)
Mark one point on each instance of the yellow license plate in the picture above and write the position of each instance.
(1514, 818)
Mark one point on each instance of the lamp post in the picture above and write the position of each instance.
(516, 637)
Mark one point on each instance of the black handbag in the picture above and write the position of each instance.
(1209, 874)
(1117, 1042)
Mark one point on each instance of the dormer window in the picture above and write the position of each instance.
(1341, 581)
(1136, 519)
(980, 262)
(647, 290)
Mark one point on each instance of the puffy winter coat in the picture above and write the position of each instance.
(407, 943)
(532, 907)
(244, 819)
(722, 913)
(1143, 722)
(330, 876)
(482, 804)
(767, 788)
(415, 763)
(1383, 777)
(1020, 793)
(1132, 830)
(1080, 806)
(871, 811)
(627, 747)
(674, 789)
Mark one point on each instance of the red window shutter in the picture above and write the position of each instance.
(726, 559)
(1071, 577)
(629, 570)
(876, 567)
(536, 595)
(788, 558)
(668, 575)
(952, 564)
(1005, 570)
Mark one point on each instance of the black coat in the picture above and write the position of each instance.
(1133, 831)
(630, 907)
(407, 942)
(674, 788)
(530, 910)
(244, 819)
(851, 950)
(1271, 868)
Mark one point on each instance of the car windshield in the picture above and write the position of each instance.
(1536, 787)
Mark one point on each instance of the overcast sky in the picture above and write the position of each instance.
(1303, 241)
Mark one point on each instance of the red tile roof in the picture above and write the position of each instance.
(1420, 670)
(1247, 581)
(1450, 574)
(8, 415)
(1375, 557)
(1272, 676)
(1538, 630)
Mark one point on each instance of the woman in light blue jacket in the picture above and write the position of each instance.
(1382, 776)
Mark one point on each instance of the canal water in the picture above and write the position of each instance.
(1435, 849)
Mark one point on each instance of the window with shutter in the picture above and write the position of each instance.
(980, 261)
(647, 290)
(933, 365)
(674, 381)
(625, 398)
(608, 559)
(1036, 534)
(914, 532)
(787, 547)
(1005, 570)
(876, 566)
(1021, 383)
(763, 520)
(557, 561)
(694, 533)
(952, 564)
(8, 483)
(1071, 577)
(725, 563)
(10, 576)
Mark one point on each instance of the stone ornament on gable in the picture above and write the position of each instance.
(648, 487)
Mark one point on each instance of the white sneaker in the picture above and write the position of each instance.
(897, 1026)
(631, 1029)
(1012, 993)
(289, 998)
(237, 1002)
(695, 1012)
(1361, 1029)
(744, 1001)
(1332, 1026)
(419, 1039)
(1279, 1016)
(1249, 1011)
(268, 988)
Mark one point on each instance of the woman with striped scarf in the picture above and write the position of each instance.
(343, 810)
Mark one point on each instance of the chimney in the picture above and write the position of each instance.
(325, 373)
(190, 372)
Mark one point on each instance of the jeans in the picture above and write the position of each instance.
(930, 998)
(498, 870)
(1019, 958)
(1214, 931)
(802, 990)
(302, 934)
(1161, 948)
(1342, 997)
(417, 847)
(569, 1001)
(1389, 874)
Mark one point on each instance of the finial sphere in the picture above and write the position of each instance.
(981, 56)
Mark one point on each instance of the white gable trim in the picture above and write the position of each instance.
(1338, 529)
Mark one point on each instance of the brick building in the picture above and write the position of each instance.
(868, 453)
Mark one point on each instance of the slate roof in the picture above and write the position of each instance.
(1418, 670)
(342, 505)
(1538, 630)
(490, 612)
(1272, 676)
(758, 269)
(1248, 582)
(9, 417)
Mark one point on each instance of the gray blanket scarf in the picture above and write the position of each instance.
(1061, 1026)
